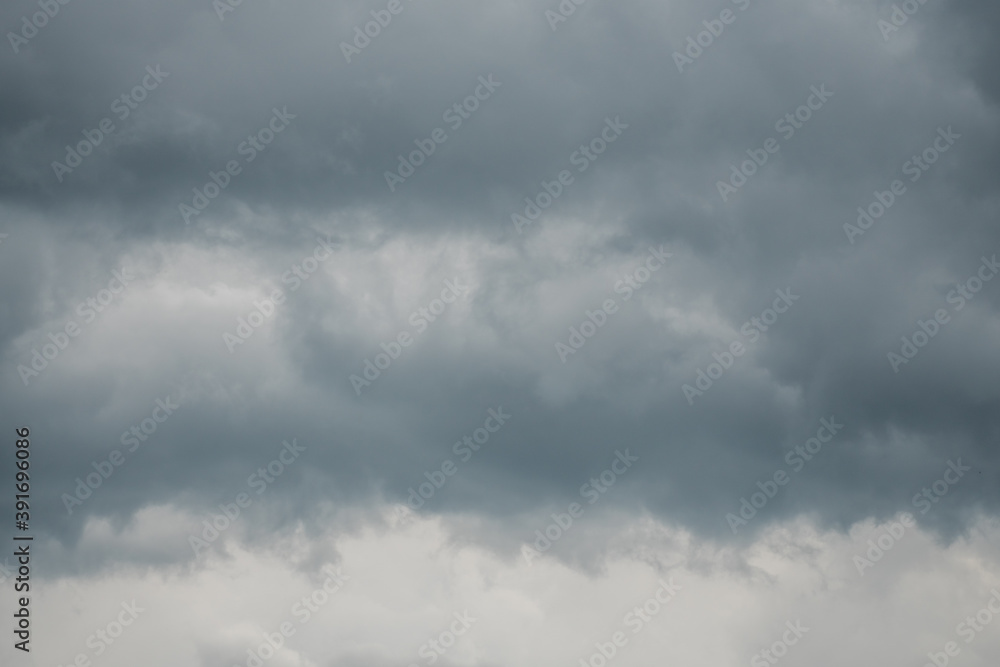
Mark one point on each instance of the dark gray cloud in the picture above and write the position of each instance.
(324, 176)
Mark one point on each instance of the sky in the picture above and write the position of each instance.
(628, 331)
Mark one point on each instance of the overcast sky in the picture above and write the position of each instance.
(720, 274)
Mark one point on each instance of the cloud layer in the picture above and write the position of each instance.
(699, 234)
